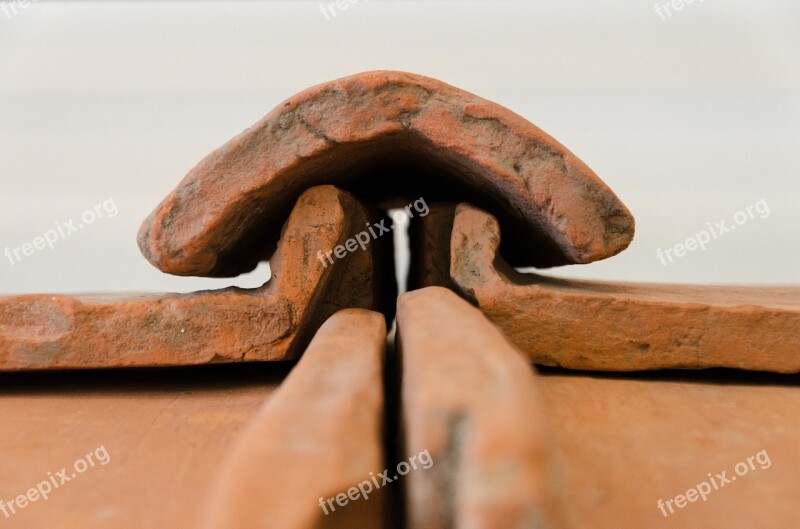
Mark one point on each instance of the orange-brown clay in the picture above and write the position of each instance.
(162, 433)
(471, 400)
(318, 437)
(627, 443)
(371, 131)
(623, 326)
(429, 240)
(273, 322)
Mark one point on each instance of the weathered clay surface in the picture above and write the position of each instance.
(273, 322)
(465, 390)
(623, 326)
(319, 436)
(626, 444)
(370, 132)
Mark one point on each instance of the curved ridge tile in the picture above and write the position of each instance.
(370, 131)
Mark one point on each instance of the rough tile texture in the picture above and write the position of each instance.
(273, 322)
(372, 131)
(317, 437)
(623, 326)
(628, 443)
(464, 392)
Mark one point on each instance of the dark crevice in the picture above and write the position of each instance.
(125, 380)
(394, 449)
(719, 376)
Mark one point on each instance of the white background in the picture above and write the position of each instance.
(688, 119)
